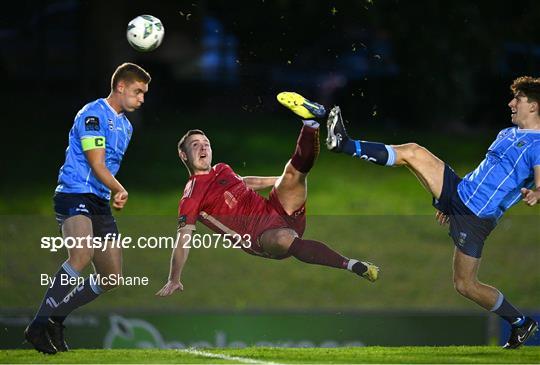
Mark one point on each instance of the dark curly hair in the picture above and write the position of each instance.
(527, 86)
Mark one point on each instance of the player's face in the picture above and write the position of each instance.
(198, 153)
(520, 108)
(132, 94)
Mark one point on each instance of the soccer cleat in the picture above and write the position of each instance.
(337, 135)
(55, 331)
(372, 271)
(364, 269)
(37, 336)
(521, 334)
(301, 106)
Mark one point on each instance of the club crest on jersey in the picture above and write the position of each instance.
(521, 144)
(111, 124)
(91, 124)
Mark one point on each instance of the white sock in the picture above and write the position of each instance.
(351, 264)
(311, 123)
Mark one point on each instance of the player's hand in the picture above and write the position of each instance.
(442, 218)
(530, 197)
(170, 288)
(120, 199)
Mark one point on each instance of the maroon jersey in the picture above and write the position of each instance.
(222, 201)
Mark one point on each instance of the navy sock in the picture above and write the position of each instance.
(79, 296)
(55, 294)
(508, 312)
(378, 153)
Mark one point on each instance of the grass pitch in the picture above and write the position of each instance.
(261, 355)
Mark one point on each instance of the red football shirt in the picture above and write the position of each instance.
(222, 201)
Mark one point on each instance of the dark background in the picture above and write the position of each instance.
(396, 67)
(433, 72)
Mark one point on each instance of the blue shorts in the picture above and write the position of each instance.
(98, 210)
(466, 229)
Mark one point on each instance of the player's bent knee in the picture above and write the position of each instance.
(411, 151)
(290, 172)
(465, 287)
(285, 237)
(277, 242)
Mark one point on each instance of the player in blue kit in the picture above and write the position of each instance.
(97, 143)
(509, 173)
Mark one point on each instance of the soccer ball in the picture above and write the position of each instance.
(145, 33)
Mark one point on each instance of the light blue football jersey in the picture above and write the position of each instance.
(494, 186)
(96, 125)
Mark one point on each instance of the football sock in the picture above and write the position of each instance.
(508, 312)
(79, 296)
(314, 252)
(307, 148)
(356, 267)
(378, 153)
(55, 294)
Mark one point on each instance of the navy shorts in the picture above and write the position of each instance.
(98, 210)
(466, 229)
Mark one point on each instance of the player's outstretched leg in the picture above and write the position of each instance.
(291, 186)
(427, 167)
(106, 263)
(285, 241)
(467, 284)
(292, 193)
(38, 333)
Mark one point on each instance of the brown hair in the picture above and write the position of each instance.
(129, 72)
(528, 86)
(182, 141)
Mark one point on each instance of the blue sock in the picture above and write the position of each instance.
(79, 296)
(508, 312)
(55, 294)
(378, 153)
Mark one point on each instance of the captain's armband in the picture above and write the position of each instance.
(92, 142)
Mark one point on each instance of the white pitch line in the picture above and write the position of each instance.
(245, 360)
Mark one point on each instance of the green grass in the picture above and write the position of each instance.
(381, 355)
(364, 211)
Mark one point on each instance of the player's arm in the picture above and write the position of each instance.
(95, 155)
(178, 260)
(532, 196)
(260, 182)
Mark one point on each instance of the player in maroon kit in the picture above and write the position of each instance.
(228, 203)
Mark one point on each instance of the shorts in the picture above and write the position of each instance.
(466, 229)
(278, 219)
(98, 210)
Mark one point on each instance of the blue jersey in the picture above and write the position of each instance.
(97, 125)
(509, 165)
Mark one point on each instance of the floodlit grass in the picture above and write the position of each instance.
(364, 211)
(362, 355)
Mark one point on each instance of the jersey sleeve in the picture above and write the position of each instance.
(188, 208)
(535, 154)
(91, 129)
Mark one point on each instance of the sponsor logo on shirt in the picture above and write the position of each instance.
(91, 123)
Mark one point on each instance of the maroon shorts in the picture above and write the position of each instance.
(296, 221)
(277, 218)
